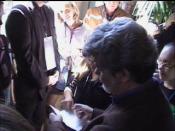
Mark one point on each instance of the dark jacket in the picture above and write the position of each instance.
(90, 92)
(26, 31)
(144, 109)
(26, 35)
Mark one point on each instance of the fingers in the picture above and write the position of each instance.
(67, 105)
(79, 110)
(56, 74)
(53, 79)
(82, 107)
(54, 117)
(80, 114)
(83, 111)
(77, 106)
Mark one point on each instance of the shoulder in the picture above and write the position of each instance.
(16, 16)
(48, 8)
(21, 9)
(17, 21)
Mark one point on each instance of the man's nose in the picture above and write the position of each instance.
(160, 66)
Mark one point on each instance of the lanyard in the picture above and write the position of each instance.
(71, 32)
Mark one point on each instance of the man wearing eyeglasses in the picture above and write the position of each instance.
(166, 70)
(125, 59)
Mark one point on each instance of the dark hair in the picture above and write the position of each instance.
(165, 36)
(11, 120)
(123, 44)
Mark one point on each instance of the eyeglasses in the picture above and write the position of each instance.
(164, 65)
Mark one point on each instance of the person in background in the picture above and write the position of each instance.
(171, 18)
(30, 29)
(106, 12)
(166, 33)
(165, 36)
(11, 120)
(128, 6)
(72, 35)
(125, 57)
(86, 88)
(166, 71)
(5, 64)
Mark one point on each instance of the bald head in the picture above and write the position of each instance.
(169, 52)
(166, 63)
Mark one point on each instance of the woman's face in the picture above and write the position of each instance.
(68, 15)
(111, 5)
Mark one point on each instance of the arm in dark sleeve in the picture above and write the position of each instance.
(56, 126)
(73, 85)
(53, 29)
(96, 112)
(19, 34)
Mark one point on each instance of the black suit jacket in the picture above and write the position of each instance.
(25, 33)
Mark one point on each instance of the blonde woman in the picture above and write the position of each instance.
(86, 88)
(71, 35)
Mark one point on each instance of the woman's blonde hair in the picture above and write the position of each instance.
(81, 69)
(71, 5)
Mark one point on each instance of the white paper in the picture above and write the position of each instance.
(69, 118)
(49, 53)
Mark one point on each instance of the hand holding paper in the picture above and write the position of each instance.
(69, 118)
(53, 117)
(68, 101)
(83, 112)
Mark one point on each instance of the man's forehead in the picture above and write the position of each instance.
(167, 54)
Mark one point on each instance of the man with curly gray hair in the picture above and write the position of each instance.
(125, 58)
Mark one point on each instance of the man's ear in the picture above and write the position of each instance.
(126, 75)
(123, 75)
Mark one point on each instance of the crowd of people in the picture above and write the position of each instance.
(105, 68)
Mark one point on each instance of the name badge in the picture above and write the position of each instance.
(49, 53)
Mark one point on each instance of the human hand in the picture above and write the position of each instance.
(67, 103)
(56, 74)
(53, 79)
(55, 117)
(83, 112)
